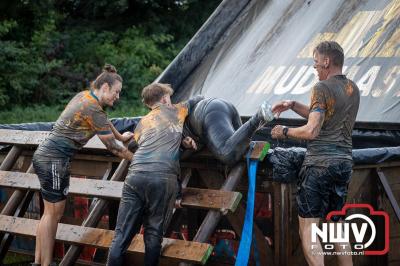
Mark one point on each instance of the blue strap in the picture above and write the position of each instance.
(247, 232)
(255, 253)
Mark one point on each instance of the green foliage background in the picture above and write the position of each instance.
(50, 50)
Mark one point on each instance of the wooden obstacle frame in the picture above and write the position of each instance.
(214, 192)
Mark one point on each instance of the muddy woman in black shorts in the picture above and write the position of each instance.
(83, 118)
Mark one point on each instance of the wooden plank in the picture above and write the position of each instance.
(34, 138)
(78, 186)
(192, 197)
(210, 199)
(192, 252)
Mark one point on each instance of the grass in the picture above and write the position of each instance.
(42, 113)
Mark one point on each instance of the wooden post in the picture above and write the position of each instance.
(8, 238)
(213, 217)
(389, 193)
(94, 216)
(281, 223)
(19, 199)
(236, 219)
(186, 174)
(11, 157)
(15, 199)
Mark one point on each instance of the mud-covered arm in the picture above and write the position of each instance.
(121, 137)
(316, 114)
(107, 133)
(301, 109)
(117, 149)
(316, 117)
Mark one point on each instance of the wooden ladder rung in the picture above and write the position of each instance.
(192, 197)
(185, 251)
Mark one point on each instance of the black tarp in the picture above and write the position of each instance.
(286, 162)
(121, 124)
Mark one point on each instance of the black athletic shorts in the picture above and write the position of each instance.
(323, 189)
(54, 174)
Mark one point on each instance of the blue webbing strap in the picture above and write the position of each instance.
(247, 232)
(255, 251)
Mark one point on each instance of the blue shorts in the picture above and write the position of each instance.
(323, 189)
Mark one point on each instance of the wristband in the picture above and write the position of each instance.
(285, 131)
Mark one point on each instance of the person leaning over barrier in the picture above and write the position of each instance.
(83, 118)
(327, 166)
(150, 188)
(216, 124)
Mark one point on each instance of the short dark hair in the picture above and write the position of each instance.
(154, 92)
(333, 50)
(109, 76)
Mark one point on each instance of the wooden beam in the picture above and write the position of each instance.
(192, 197)
(78, 186)
(281, 223)
(236, 220)
(34, 138)
(11, 158)
(19, 199)
(180, 250)
(15, 199)
(389, 193)
(95, 215)
(20, 212)
(212, 218)
(210, 199)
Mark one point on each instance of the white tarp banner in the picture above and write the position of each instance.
(266, 54)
